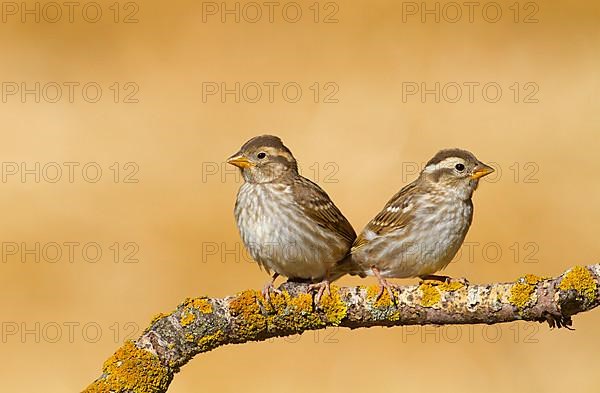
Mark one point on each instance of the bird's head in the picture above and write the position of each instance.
(264, 159)
(455, 169)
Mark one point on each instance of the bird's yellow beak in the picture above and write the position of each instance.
(240, 161)
(481, 170)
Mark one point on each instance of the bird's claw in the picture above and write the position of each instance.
(320, 287)
(266, 292)
(384, 286)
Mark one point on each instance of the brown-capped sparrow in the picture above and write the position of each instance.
(421, 228)
(288, 224)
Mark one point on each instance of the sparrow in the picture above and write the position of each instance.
(288, 224)
(419, 231)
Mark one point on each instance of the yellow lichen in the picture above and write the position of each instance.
(277, 302)
(384, 301)
(430, 294)
(520, 294)
(581, 280)
(335, 309)
(372, 291)
(199, 303)
(532, 279)
(187, 317)
(280, 302)
(523, 291)
(302, 303)
(451, 286)
(131, 369)
(299, 312)
(211, 341)
(287, 312)
(251, 320)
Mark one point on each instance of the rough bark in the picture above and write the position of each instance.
(203, 324)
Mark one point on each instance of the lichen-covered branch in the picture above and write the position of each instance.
(203, 324)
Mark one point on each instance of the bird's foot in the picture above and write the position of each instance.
(384, 286)
(320, 287)
(266, 292)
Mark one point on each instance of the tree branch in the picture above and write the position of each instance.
(203, 324)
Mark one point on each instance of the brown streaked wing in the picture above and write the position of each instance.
(386, 221)
(317, 205)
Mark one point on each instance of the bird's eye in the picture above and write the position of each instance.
(261, 155)
(459, 167)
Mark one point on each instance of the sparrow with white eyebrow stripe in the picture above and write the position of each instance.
(422, 227)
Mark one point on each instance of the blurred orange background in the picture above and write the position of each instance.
(149, 190)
